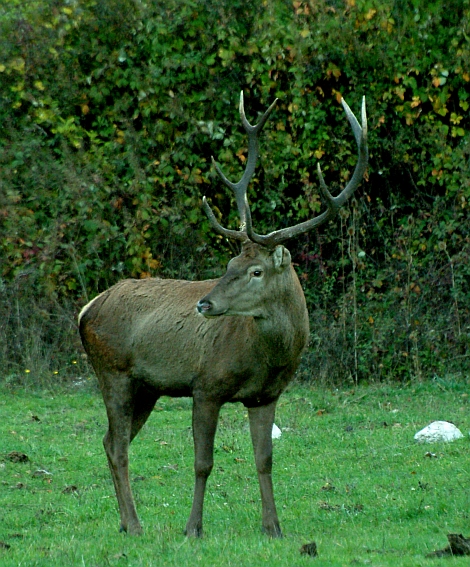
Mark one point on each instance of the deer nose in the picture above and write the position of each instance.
(204, 306)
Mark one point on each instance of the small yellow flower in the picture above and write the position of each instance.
(74, 362)
(56, 372)
(27, 371)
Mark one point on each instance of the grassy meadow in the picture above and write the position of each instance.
(347, 475)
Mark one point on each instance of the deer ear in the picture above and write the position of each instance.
(281, 258)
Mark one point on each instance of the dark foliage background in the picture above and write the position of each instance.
(110, 111)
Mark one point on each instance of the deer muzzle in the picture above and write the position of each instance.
(208, 309)
(204, 307)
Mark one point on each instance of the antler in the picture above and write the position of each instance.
(241, 187)
(333, 203)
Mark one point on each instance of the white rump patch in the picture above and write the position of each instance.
(87, 306)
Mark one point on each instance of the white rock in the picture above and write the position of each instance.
(438, 431)
(276, 433)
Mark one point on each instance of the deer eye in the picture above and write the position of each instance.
(257, 273)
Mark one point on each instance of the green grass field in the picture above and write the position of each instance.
(347, 475)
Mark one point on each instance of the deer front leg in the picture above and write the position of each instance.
(205, 416)
(261, 425)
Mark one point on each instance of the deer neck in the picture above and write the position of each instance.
(283, 328)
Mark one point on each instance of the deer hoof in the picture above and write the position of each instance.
(131, 530)
(273, 531)
(193, 531)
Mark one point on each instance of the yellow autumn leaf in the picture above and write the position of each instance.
(338, 95)
(336, 72)
(370, 14)
(18, 64)
(154, 264)
(400, 92)
(39, 85)
(305, 32)
(240, 155)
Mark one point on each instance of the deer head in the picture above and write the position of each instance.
(248, 275)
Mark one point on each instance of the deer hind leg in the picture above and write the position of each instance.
(127, 411)
(261, 424)
(205, 416)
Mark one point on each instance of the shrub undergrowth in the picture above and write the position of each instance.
(111, 110)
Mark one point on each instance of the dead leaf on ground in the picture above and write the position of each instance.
(458, 545)
(17, 457)
(309, 549)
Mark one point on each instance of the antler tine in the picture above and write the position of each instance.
(228, 233)
(241, 187)
(333, 203)
(360, 133)
(257, 127)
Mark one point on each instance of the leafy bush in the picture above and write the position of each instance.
(110, 113)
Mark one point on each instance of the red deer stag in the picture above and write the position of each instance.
(234, 339)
